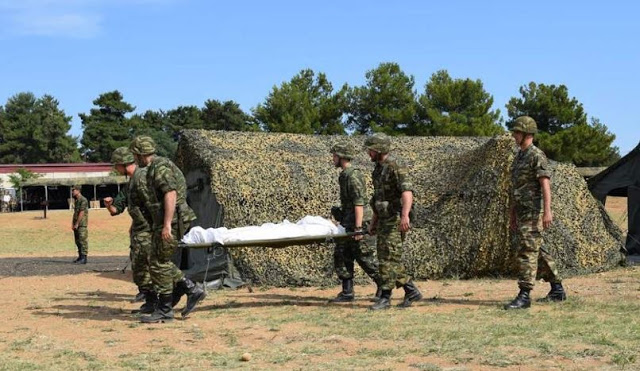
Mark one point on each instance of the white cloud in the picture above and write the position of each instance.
(59, 18)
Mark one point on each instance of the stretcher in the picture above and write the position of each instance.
(275, 243)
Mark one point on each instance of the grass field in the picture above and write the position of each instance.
(83, 321)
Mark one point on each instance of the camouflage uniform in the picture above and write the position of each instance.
(535, 261)
(390, 179)
(164, 176)
(353, 193)
(131, 198)
(81, 234)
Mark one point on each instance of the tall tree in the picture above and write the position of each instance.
(549, 105)
(106, 127)
(306, 105)
(456, 107)
(565, 133)
(227, 115)
(387, 102)
(183, 117)
(35, 130)
(155, 124)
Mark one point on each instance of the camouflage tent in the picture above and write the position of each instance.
(623, 179)
(461, 203)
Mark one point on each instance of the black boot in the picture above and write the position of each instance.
(178, 293)
(384, 302)
(378, 294)
(163, 311)
(411, 295)
(140, 296)
(521, 301)
(346, 294)
(557, 293)
(150, 302)
(81, 260)
(195, 293)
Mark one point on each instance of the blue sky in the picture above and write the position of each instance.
(164, 53)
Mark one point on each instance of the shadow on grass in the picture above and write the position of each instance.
(57, 266)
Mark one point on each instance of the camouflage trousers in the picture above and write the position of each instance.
(389, 248)
(535, 261)
(164, 273)
(81, 237)
(363, 251)
(140, 254)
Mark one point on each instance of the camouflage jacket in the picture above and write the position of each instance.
(353, 192)
(390, 180)
(131, 197)
(164, 176)
(528, 166)
(81, 204)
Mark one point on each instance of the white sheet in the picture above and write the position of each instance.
(306, 227)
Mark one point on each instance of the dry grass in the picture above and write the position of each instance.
(82, 321)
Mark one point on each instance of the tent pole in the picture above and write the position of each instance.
(21, 202)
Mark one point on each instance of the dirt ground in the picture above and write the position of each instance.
(62, 316)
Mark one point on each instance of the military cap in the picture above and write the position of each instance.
(378, 142)
(525, 124)
(344, 150)
(143, 145)
(122, 156)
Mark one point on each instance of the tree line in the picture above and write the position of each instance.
(36, 130)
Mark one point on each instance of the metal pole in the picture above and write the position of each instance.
(46, 201)
(70, 196)
(95, 194)
(21, 202)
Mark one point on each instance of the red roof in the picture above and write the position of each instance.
(58, 168)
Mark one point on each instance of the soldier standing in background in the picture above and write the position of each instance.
(80, 223)
(531, 188)
(131, 198)
(351, 216)
(391, 203)
(165, 201)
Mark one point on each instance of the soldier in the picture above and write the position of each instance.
(351, 216)
(167, 206)
(131, 197)
(391, 203)
(531, 188)
(79, 224)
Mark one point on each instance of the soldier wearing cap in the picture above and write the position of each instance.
(351, 215)
(166, 203)
(391, 202)
(130, 197)
(530, 213)
(80, 224)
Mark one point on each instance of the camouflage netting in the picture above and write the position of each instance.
(461, 204)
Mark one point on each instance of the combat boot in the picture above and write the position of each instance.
(377, 295)
(557, 293)
(178, 293)
(140, 297)
(78, 258)
(384, 302)
(521, 301)
(347, 294)
(195, 293)
(162, 313)
(411, 295)
(82, 259)
(150, 302)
